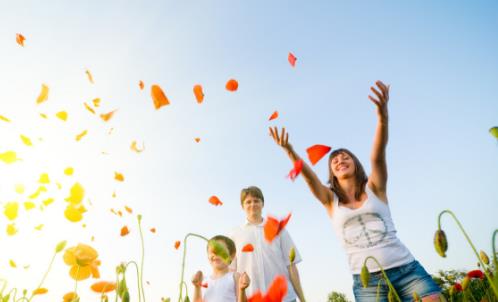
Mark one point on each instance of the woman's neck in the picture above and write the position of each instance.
(218, 273)
(348, 186)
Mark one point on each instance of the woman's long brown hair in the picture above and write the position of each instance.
(361, 178)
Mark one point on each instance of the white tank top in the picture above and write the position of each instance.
(220, 289)
(369, 231)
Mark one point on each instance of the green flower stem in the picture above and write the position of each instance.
(117, 286)
(491, 283)
(3, 286)
(138, 278)
(495, 261)
(182, 282)
(46, 274)
(389, 284)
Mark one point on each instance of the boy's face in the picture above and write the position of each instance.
(216, 261)
(253, 206)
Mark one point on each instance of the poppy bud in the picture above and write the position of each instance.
(187, 299)
(60, 246)
(440, 243)
(484, 257)
(465, 282)
(126, 297)
(364, 276)
(292, 255)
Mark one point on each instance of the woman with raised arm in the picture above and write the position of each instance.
(358, 207)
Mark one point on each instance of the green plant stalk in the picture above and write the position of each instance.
(388, 282)
(117, 284)
(493, 247)
(182, 282)
(495, 290)
(138, 278)
(46, 274)
(377, 298)
(3, 286)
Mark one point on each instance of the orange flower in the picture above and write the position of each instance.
(199, 95)
(20, 39)
(158, 97)
(83, 261)
(103, 287)
(177, 244)
(248, 248)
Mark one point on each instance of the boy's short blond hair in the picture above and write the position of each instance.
(253, 191)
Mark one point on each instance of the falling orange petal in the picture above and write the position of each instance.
(118, 176)
(248, 248)
(124, 231)
(214, 200)
(103, 287)
(197, 139)
(158, 97)
(81, 135)
(273, 116)
(89, 75)
(177, 244)
(26, 140)
(298, 166)
(89, 108)
(278, 289)
(292, 59)
(141, 85)
(273, 227)
(120, 213)
(153, 230)
(107, 116)
(128, 209)
(135, 148)
(20, 39)
(96, 102)
(199, 95)
(62, 115)
(232, 85)
(43, 96)
(40, 291)
(316, 152)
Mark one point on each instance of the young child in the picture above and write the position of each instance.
(223, 285)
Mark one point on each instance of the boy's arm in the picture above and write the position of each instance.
(296, 282)
(242, 281)
(196, 281)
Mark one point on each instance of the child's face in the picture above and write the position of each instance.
(216, 261)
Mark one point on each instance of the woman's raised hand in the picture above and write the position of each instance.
(281, 139)
(381, 99)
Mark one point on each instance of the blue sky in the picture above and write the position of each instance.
(440, 59)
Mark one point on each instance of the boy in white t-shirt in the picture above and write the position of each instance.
(223, 285)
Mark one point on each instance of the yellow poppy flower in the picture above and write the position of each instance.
(83, 261)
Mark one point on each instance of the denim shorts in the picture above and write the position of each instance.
(406, 279)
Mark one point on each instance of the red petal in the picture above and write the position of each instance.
(273, 116)
(199, 95)
(257, 297)
(298, 166)
(124, 231)
(284, 222)
(316, 152)
(476, 274)
(232, 85)
(277, 290)
(248, 248)
(292, 59)
(158, 97)
(215, 201)
(271, 228)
